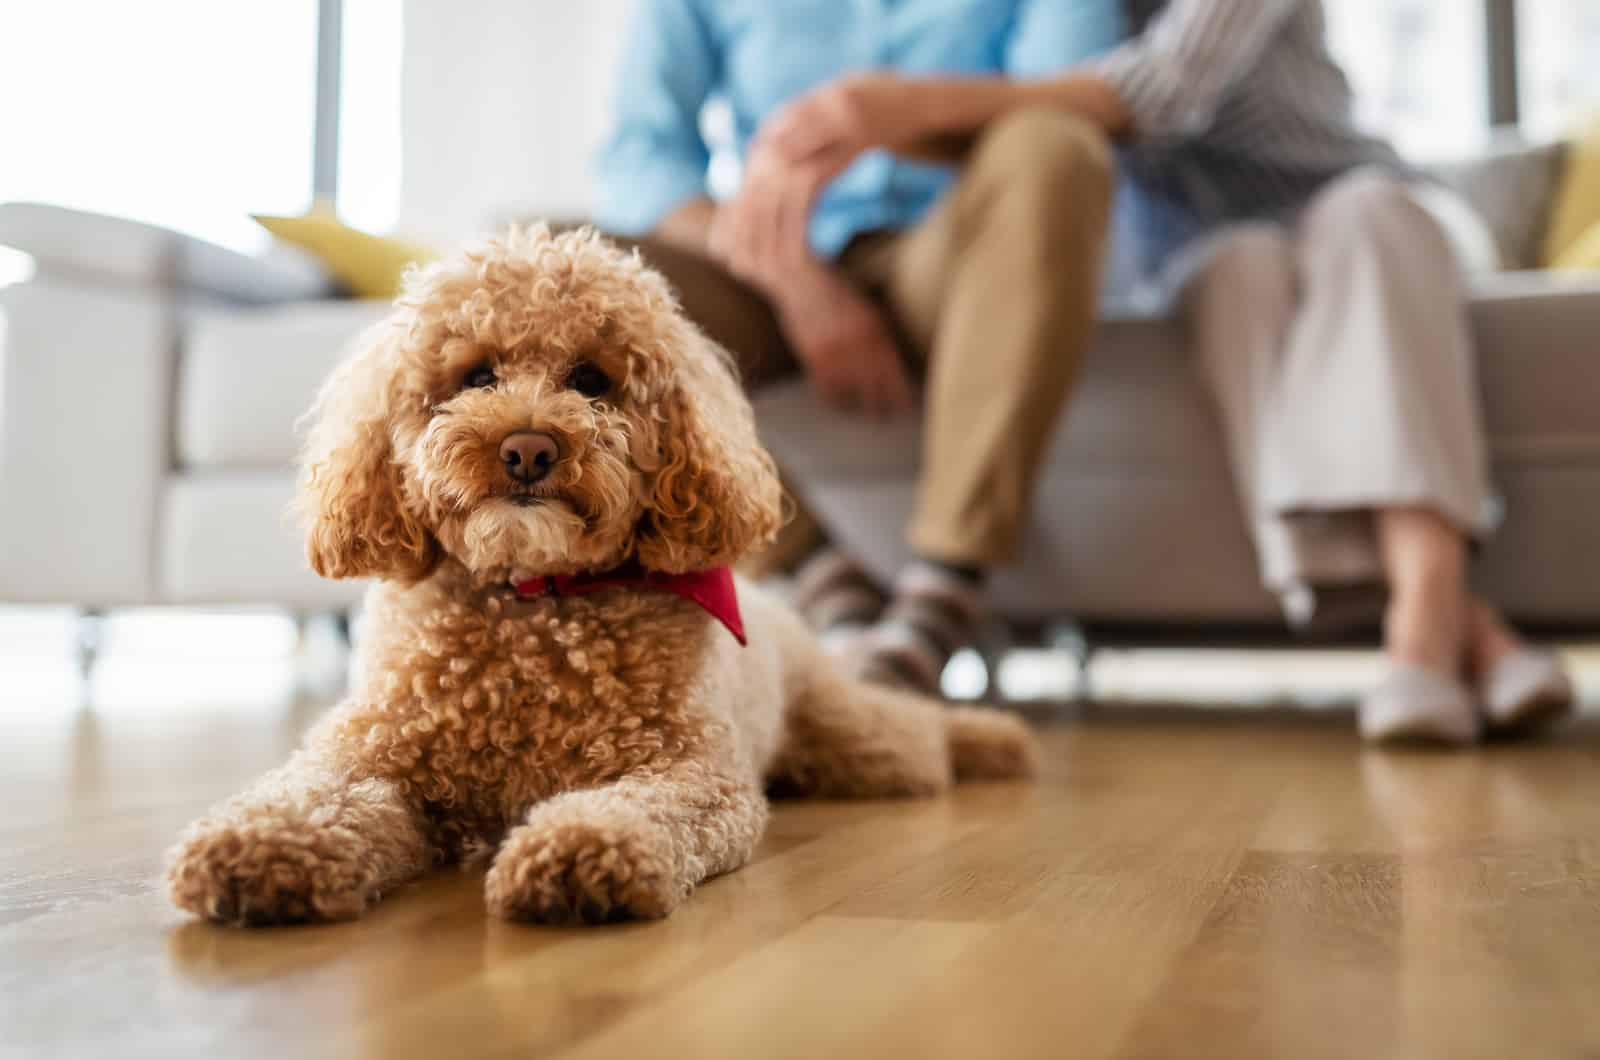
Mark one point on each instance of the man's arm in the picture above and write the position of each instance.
(651, 170)
(1168, 81)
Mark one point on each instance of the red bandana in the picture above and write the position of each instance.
(713, 590)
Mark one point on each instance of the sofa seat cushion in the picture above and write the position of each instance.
(1136, 490)
(230, 538)
(246, 376)
(1539, 364)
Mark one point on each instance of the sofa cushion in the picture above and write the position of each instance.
(84, 384)
(1511, 186)
(246, 375)
(367, 265)
(1539, 364)
(1575, 209)
(229, 538)
(1139, 454)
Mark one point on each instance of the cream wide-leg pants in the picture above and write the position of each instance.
(1337, 349)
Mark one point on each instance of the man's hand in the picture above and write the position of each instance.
(844, 344)
(761, 233)
(830, 126)
(839, 337)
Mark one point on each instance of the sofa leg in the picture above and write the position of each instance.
(1072, 639)
(996, 641)
(88, 636)
(341, 623)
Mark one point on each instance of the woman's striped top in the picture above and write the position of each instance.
(1239, 109)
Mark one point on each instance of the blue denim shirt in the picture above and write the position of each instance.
(756, 54)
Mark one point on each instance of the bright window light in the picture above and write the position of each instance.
(1557, 43)
(369, 114)
(15, 266)
(185, 113)
(1419, 71)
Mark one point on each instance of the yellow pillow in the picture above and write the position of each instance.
(370, 266)
(1583, 255)
(1577, 205)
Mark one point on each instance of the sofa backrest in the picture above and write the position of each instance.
(1512, 185)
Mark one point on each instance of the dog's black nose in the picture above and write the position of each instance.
(529, 455)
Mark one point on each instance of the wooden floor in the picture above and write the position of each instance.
(1194, 885)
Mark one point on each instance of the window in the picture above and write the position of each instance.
(193, 114)
(1419, 70)
(186, 113)
(369, 114)
(1558, 60)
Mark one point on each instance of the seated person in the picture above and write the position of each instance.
(986, 275)
(1324, 294)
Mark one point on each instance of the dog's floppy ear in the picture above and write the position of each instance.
(351, 499)
(716, 493)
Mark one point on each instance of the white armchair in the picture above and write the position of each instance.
(149, 385)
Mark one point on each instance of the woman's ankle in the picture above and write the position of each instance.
(1489, 638)
(1426, 625)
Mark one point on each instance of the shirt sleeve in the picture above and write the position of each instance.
(1174, 76)
(654, 159)
(1051, 35)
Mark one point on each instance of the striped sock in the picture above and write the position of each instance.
(836, 597)
(935, 612)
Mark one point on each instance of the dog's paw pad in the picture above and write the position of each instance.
(258, 876)
(582, 873)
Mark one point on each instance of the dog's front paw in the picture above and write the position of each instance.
(269, 872)
(569, 871)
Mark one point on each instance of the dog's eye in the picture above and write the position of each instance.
(588, 380)
(479, 377)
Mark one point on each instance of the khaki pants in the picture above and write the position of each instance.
(1338, 351)
(995, 291)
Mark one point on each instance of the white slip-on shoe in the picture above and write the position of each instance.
(1415, 705)
(1527, 690)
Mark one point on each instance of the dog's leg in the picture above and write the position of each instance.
(302, 843)
(634, 848)
(847, 739)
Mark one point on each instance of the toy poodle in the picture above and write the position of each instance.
(549, 470)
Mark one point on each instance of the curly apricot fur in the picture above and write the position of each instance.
(614, 748)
